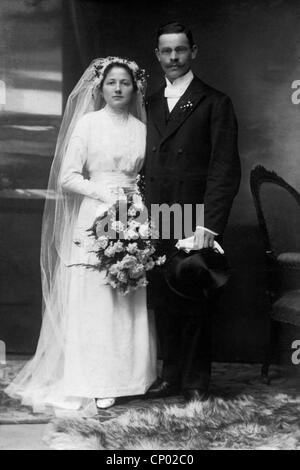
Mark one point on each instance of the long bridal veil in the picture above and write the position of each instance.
(40, 382)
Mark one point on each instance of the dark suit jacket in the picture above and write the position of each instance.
(193, 157)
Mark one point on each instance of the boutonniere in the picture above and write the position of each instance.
(186, 106)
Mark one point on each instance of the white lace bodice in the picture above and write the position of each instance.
(110, 147)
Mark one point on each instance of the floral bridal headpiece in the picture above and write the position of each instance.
(100, 65)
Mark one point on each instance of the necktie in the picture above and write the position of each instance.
(172, 91)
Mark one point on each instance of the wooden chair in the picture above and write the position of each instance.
(277, 207)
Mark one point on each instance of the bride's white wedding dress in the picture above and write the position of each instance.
(109, 339)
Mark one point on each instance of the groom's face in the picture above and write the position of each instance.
(175, 54)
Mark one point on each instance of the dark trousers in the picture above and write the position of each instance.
(184, 333)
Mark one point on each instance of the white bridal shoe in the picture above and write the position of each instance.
(103, 403)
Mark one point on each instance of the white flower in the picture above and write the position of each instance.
(137, 271)
(117, 226)
(114, 269)
(110, 251)
(152, 250)
(121, 276)
(102, 242)
(128, 261)
(150, 265)
(142, 282)
(131, 234)
(137, 202)
(132, 211)
(161, 260)
(144, 231)
(132, 248)
(133, 224)
(113, 283)
(144, 254)
(118, 246)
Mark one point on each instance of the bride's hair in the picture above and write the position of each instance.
(122, 65)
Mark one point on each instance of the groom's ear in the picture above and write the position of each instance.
(157, 54)
(194, 51)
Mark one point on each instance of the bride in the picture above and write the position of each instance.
(95, 344)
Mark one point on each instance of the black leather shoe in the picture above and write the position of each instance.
(162, 389)
(195, 394)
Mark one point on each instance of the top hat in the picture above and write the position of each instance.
(190, 275)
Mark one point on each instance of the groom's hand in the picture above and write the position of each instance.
(203, 239)
(208, 241)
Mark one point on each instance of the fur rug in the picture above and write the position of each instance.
(265, 418)
(244, 413)
(218, 424)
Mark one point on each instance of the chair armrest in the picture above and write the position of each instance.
(288, 271)
(289, 260)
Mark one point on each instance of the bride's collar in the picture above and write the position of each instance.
(121, 116)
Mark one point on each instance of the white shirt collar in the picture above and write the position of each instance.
(181, 82)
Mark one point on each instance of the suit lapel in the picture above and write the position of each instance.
(184, 107)
(157, 110)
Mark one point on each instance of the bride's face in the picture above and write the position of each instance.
(118, 88)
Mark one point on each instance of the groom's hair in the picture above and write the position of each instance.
(175, 27)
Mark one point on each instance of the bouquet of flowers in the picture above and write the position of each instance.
(123, 241)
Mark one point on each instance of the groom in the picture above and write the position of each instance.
(191, 158)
